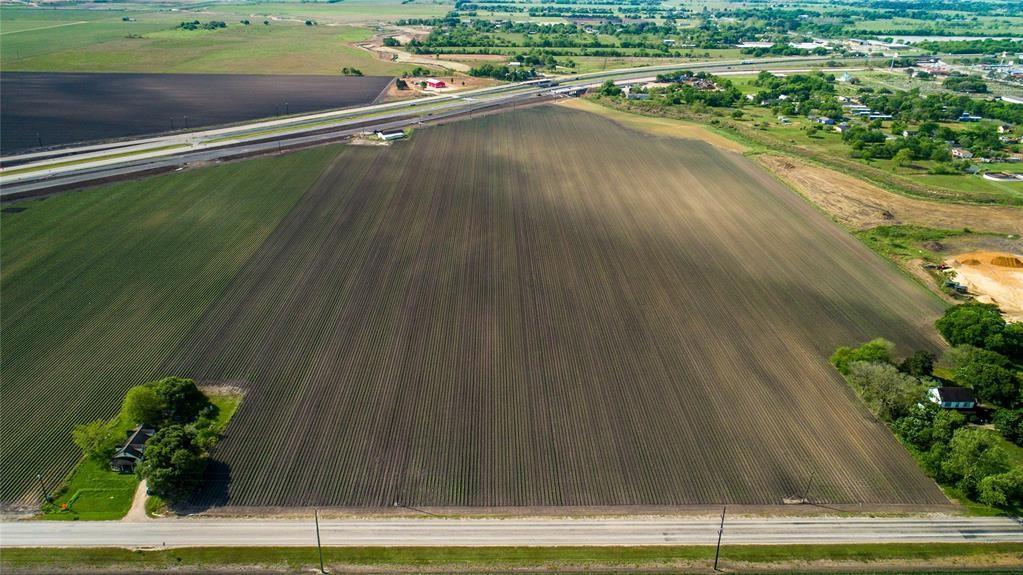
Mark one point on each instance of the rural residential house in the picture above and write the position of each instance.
(130, 454)
(952, 397)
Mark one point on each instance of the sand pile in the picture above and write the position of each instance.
(1007, 262)
(993, 277)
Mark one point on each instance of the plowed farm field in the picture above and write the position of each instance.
(540, 308)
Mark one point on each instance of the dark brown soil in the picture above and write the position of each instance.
(53, 109)
(543, 308)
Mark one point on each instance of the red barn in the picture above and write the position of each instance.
(434, 83)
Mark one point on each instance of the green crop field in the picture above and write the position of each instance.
(99, 41)
(535, 308)
(99, 286)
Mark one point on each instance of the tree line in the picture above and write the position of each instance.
(950, 445)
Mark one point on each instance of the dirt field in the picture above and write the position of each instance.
(861, 205)
(49, 108)
(993, 277)
(656, 126)
(544, 308)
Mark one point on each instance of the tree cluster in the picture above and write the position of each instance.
(963, 83)
(949, 446)
(951, 450)
(506, 73)
(186, 429)
(197, 25)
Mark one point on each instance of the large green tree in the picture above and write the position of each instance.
(972, 455)
(183, 399)
(142, 405)
(981, 325)
(173, 465)
(1009, 422)
(888, 392)
(992, 383)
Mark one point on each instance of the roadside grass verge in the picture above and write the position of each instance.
(797, 558)
(61, 164)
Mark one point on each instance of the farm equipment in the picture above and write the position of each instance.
(955, 286)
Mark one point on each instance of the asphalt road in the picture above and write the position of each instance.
(500, 532)
(57, 169)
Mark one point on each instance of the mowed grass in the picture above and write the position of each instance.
(152, 44)
(93, 492)
(98, 286)
(791, 558)
(543, 308)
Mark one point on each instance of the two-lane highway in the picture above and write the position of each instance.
(190, 532)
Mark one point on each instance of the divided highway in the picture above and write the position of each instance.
(479, 532)
(36, 172)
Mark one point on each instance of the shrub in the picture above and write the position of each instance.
(876, 351)
(609, 88)
(1009, 422)
(96, 439)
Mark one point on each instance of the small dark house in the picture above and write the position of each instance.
(130, 454)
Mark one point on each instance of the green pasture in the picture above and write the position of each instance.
(100, 41)
(153, 44)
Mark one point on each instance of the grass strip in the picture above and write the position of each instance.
(482, 559)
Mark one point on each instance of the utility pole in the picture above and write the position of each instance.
(721, 530)
(316, 515)
(46, 492)
(808, 483)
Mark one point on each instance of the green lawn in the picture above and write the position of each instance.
(99, 286)
(793, 558)
(94, 493)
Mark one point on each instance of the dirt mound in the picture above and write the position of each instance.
(995, 277)
(1007, 262)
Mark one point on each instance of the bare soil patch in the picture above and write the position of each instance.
(656, 126)
(861, 205)
(993, 277)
